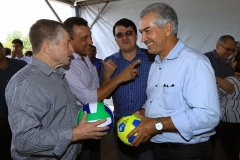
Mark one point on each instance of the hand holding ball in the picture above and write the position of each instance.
(125, 125)
(97, 111)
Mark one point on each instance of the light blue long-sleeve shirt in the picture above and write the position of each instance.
(183, 86)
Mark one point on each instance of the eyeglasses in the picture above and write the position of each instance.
(228, 49)
(127, 33)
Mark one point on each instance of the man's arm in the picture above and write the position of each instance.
(127, 74)
(200, 114)
(225, 84)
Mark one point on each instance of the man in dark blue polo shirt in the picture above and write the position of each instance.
(221, 64)
(8, 67)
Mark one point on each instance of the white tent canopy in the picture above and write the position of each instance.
(201, 22)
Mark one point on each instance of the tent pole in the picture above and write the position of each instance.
(99, 14)
(49, 5)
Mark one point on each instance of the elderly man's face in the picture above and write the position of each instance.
(154, 37)
(225, 50)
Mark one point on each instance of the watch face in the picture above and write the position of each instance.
(159, 126)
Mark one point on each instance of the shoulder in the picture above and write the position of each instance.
(112, 56)
(17, 62)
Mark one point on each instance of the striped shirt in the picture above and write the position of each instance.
(230, 103)
(42, 113)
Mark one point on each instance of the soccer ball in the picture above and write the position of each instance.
(97, 111)
(125, 125)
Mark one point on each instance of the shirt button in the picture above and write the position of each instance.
(159, 68)
(155, 85)
(150, 101)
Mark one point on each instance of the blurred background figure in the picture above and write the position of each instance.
(17, 52)
(8, 52)
(237, 46)
(228, 129)
(95, 61)
(8, 67)
(28, 53)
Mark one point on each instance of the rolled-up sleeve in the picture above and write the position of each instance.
(201, 96)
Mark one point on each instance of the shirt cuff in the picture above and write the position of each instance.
(182, 126)
(65, 138)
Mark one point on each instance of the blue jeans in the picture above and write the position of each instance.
(177, 151)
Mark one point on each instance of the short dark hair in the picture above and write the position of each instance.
(126, 23)
(18, 41)
(70, 22)
(28, 53)
(93, 46)
(7, 51)
(45, 30)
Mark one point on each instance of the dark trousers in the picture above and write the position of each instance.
(5, 139)
(229, 137)
(91, 150)
(125, 152)
(176, 151)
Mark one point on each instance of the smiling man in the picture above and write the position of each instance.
(83, 78)
(129, 97)
(182, 106)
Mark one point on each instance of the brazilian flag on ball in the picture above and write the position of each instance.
(97, 111)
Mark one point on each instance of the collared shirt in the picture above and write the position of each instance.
(13, 67)
(222, 70)
(230, 103)
(83, 80)
(42, 113)
(183, 86)
(130, 96)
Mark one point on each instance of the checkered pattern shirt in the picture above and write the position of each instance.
(42, 113)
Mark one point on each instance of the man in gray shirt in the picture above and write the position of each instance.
(42, 109)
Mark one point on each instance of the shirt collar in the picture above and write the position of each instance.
(174, 52)
(45, 68)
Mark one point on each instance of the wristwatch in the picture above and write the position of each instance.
(158, 125)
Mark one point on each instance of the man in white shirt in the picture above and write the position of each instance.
(17, 53)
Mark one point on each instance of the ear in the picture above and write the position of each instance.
(168, 28)
(45, 47)
(217, 46)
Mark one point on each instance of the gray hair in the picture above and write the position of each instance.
(224, 38)
(164, 14)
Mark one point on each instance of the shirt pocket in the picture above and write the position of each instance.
(171, 97)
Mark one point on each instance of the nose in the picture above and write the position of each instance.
(144, 38)
(71, 50)
(90, 40)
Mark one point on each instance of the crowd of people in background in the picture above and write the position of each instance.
(185, 99)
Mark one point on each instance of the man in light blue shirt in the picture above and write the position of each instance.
(182, 108)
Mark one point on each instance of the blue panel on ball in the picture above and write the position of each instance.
(131, 139)
(121, 127)
(136, 122)
(86, 108)
(108, 110)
